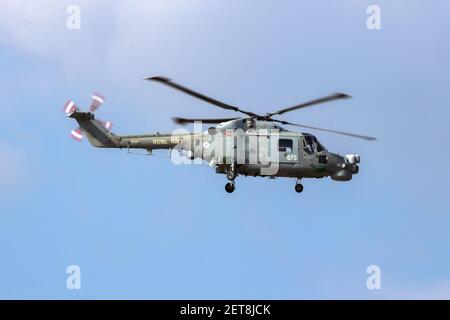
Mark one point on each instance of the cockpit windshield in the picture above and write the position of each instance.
(312, 145)
(319, 146)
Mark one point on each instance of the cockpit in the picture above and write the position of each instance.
(311, 144)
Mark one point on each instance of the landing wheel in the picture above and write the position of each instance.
(229, 187)
(298, 187)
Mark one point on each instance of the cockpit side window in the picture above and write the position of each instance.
(309, 144)
(285, 145)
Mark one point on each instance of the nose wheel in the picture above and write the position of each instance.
(298, 186)
(229, 187)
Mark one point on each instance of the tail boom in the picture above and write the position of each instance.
(100, 137)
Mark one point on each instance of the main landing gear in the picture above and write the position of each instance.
(231, 175)
(298, 186)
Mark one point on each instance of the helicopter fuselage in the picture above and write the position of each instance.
(256, 149)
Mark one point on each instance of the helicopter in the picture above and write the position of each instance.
(248, 145)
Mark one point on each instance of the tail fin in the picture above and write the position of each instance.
(94, 130)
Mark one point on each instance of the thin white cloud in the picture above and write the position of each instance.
(27, 25)
(39, 27)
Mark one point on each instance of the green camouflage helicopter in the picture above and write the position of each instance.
(250, 145)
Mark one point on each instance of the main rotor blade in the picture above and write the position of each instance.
(200, 96)
(331, 97)
(178, 120)
(354, 135)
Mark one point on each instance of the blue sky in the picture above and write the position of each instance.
(141, 227)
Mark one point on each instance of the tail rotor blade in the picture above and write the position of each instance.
(97, 101)
(70, 107)
(77, 134)
(106, 124)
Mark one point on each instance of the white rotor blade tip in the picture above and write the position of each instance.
(108, 125)
(69, 107)
(98, 98)
(76, 134)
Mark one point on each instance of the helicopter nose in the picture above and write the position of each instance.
(346, 168)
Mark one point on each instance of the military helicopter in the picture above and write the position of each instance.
(249, 145)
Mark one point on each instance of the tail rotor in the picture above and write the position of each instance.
(70, 107)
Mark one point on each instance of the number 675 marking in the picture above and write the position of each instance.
(291, 157)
